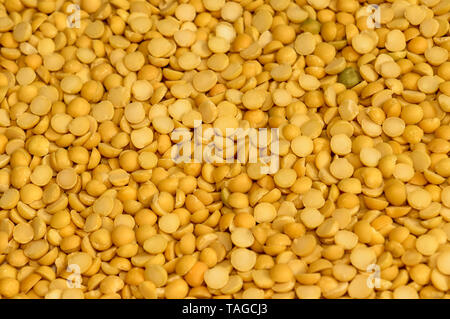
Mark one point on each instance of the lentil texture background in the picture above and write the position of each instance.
(93, 206)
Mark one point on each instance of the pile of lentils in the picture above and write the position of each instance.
(92, 204)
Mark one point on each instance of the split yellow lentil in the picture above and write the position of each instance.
(88, 116)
